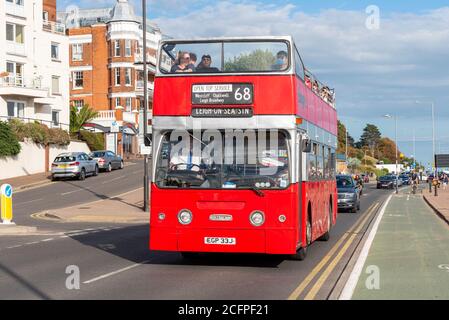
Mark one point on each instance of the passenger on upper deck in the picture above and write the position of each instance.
(316, 87)
(204, 65)
(308, 82)
(193, 58)
(184, 64)
(281, 61)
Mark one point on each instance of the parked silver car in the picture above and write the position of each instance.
(73, 165)
(107, 160)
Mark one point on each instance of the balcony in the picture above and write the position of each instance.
(105, 115)
(16, 10)
(15, 48)
(53, 27)
(13, 84)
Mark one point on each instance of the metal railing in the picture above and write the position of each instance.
(19, 81)
(48, 123)
(53, 27)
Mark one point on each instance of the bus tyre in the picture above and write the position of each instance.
(301, 253)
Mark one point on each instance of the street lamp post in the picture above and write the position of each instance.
(146, 178)
(432, 103)
(396, 143)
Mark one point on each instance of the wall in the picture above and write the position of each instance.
(21, 165)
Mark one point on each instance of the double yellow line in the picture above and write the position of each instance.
(352, 233)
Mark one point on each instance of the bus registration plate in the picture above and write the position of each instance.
(220, 241)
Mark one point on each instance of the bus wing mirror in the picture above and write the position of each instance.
(306, 146)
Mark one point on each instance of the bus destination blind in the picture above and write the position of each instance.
(222, 94)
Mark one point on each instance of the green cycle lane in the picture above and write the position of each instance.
(409, 257)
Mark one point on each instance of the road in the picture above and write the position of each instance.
(67, 193)
(111, 258)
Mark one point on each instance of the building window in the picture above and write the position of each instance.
(45, 15)
(117, 76)
(128, 76)
(55, 85)
(14, 32)
(78, 80)
(77, 52)
(78, 104)
(55, 117)
(16, 109)
(17, 2)
(127, 48)
(128, 104)
(117, 102)
(55, 51)
(117, 48)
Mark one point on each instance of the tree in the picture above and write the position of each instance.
(256, 60)
(370, 137)
(342, 139)
(79, 118)
(387, 150)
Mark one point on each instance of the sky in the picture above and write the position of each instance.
(381, 56)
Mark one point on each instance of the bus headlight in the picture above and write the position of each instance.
(161, 216)
(257, 218)
(185, 217)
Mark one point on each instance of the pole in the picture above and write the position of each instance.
(146, 180)
(414, 150)
(396, 138)
(433, 136)
(346, 144)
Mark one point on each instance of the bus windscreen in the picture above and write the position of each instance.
(223, 161)
(224, 57)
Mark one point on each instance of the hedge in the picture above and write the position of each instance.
(95, 141)
(9, 144)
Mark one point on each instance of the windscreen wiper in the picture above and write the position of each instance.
(258, 191)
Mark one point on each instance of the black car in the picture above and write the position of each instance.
(387, 182)
(348, 193)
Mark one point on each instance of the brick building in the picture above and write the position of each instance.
(106, 54)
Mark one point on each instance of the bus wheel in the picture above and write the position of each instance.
(302, 252)
(326, 236)
(189, 255)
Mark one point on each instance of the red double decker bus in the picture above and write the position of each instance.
(244, 149)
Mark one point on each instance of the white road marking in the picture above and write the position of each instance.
(78, 234)
(349, 288)
(13, 247)
(78, 190)
(30, 243)
(49, 239)
(111, 180)
(115, 272)
(26, 202)
(408, 197)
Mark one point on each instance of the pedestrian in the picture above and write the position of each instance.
(445, 181)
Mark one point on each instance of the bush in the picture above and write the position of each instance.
(59, 137)
(95, 141)
(39, 133)
(9, 145)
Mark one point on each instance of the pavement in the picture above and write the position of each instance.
(29, 181)
(124, 208)
(407, 256)
(439, 204)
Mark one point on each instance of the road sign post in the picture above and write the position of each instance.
(6, 204)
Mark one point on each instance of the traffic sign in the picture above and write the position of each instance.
(115, 127)
(6, 203)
